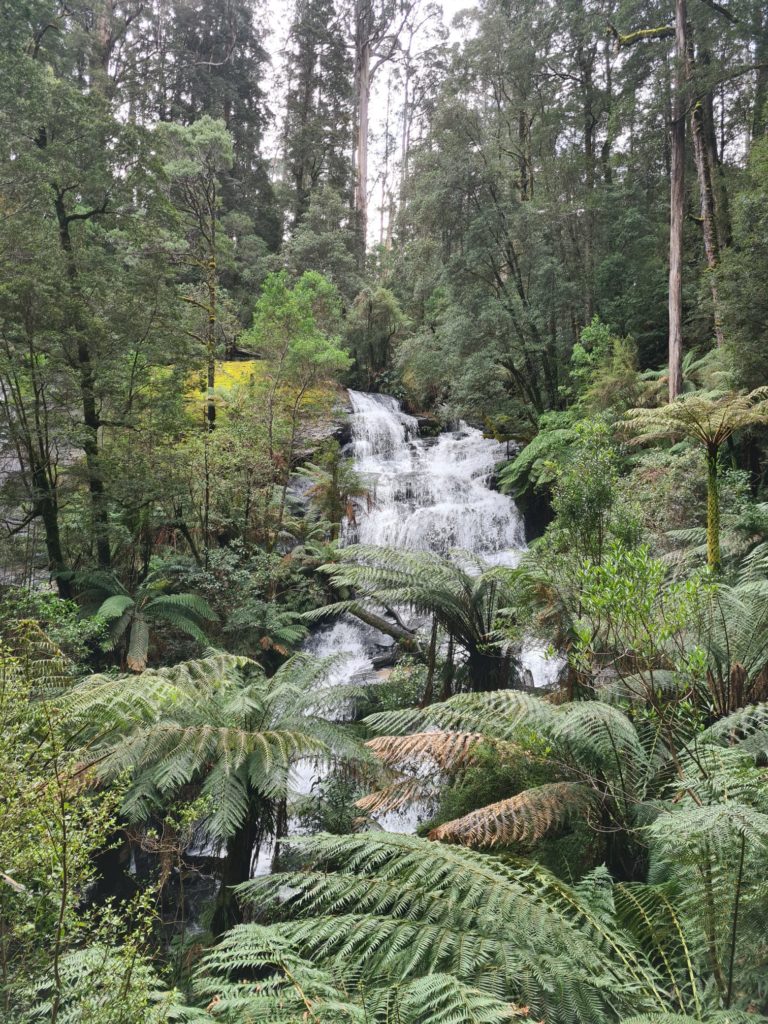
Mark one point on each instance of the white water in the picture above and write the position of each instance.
(429, 494)
(424, 494)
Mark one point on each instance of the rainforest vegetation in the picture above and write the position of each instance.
(227, 229)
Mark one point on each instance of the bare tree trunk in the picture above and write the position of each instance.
(715, 158)
(363, 86)
(707, 204)
(677, 204)
(760, 109)
(210, 334)
(405, 141)
(704, 171)
(87, 381)
(386, 202)
(47, 508)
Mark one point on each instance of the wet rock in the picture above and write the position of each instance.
(386, 659)
(429, 426)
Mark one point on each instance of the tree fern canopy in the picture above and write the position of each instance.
(130, 618)
(218, 729)
(396, 906)
(606, 767)
(461, 593)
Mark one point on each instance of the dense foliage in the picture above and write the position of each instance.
(546, 219)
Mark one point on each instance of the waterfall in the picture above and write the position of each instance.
(424, 494)
(429, 494)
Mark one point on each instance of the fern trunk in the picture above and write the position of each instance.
(713, 510)
(235, 869)
(487, 672)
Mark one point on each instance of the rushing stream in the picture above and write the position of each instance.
(428, 494)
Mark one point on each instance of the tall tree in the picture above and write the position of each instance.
(86, 294)
(677, 200)
(196, 159)
(376, 33)
(318, 120)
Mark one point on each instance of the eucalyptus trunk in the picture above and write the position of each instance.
(677, 204)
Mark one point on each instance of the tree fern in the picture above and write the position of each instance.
(533, 463)
(101, 985)
(217, 728)
(709, 419)
(292, 990)
(396, 908)
(375, 909)
(131, 617)
(606, 771)
(461, 592)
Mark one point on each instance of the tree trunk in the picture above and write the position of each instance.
(487, 672)
(101, 51)
(46, 506)
(428, 695)
(524, 163)
(87, 380)
(708, 219)
(363, 88)
(210, 332)
(713, 510)
(235, 869)
(760, 109)
(404, 636)
(719, 187)
(677, 205)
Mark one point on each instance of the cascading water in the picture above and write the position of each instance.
(428, 494)
(424, 494)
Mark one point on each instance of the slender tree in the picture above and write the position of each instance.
(708, 419)
(196, 159)
(376, 33)
(318, 121)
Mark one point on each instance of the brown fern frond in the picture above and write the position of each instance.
(396, 796)
(449, 751)
(524, 818)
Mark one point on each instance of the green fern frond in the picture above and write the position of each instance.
(291, 989)
(115, 606)
(398, 905)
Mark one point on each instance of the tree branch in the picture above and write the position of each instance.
(642, 34)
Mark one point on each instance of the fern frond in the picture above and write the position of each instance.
(291, 989)
(449, 751)
(398, 905)
(198, 606)
(115, 606)
(714, 1017)
(524, 818)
